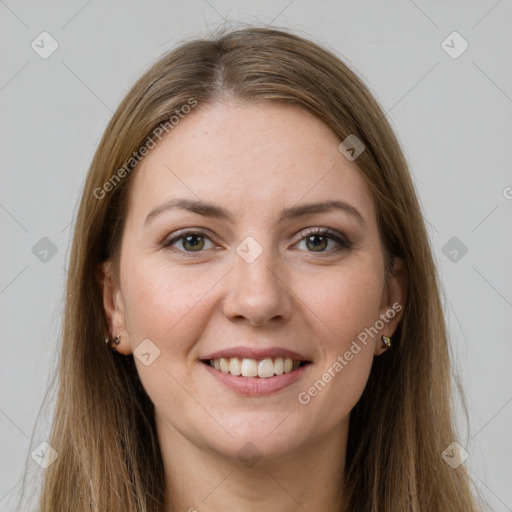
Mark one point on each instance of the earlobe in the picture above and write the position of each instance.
(113, 308)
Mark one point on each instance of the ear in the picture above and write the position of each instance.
(113, 307)
(392, 302)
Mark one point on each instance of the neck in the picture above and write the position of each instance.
(202, 480)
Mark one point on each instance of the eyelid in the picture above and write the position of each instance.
(340, 238)
(323, 231)
(183, 233)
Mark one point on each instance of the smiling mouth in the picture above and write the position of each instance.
(262, 368)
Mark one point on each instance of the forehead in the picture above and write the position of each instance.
(246, 156)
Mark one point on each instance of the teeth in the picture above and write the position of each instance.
(266, 368)
(224, 365)
(249, 368)
(263, 368)
(235, 366)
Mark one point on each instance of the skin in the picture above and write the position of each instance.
(253, 160)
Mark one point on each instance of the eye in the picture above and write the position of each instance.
(317, 240)
(190, 241)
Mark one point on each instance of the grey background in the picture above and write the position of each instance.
(452, 116)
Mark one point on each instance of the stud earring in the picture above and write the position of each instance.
(386, 342)
(115, 341)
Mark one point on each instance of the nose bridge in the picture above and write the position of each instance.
(256, 291)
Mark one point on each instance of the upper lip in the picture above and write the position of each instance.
(256, 353)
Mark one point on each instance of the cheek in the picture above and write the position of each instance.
(165, 302)
(166, 305)
(345, 308)
(344, 302)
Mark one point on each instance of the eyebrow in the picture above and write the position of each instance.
(214, 211)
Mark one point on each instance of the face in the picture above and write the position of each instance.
(253, 277)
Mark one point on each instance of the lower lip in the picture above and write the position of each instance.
(256, 386)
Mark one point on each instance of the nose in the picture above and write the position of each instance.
(257, 291)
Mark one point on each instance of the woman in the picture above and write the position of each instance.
(250, 246)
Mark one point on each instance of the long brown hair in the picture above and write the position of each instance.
(103, 428)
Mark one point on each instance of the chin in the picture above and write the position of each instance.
(259, 440)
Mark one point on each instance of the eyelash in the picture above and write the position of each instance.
(343, 242)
